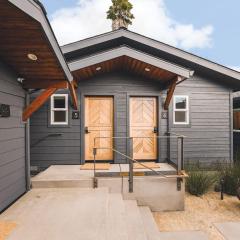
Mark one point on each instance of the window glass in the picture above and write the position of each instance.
(180, 102)
(59, 102)
(180, 117)
(59, 116)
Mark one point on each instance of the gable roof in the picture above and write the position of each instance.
(131, 53)
(153, 47)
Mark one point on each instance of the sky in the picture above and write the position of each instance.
(207, 28)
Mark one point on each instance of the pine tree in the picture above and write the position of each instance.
(120, 14)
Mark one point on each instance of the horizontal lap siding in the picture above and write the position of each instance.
(208, 137)
(12, 140)
(65, 149)
(57, 150)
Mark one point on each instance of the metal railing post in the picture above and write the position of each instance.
(180, 163)
(182, 153)
(94, 174)
(130, 160)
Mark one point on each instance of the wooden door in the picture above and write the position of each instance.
(98, 123)
(143, 124)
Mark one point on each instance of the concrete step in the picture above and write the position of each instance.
(116, 219)
(134, 222)
(149, 223)
(68, 183)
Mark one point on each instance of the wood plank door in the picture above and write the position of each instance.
(143, 124)
(98, 123)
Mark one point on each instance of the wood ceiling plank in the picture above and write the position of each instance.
(20, 35)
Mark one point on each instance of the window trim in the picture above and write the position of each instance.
(186, 110)
(52, 109)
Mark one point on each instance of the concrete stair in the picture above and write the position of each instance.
(127, 221)
(74, 214)
(159, 192)
(85, 213)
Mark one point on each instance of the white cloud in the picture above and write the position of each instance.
(88, 18)
(235, 68)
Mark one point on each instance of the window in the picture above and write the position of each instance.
(180, 110)
(59, 109)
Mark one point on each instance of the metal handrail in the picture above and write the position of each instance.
(132, 160)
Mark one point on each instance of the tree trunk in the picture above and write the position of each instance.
(119, 23)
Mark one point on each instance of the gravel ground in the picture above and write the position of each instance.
(200, 214)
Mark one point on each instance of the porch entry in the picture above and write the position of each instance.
(143, 127)
(98, 123)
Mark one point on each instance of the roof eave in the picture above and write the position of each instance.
(34, 10)
(126, 51)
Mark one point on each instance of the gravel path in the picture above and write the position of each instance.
(201, 213)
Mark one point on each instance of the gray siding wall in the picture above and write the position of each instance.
(12, 140)
(69, 148)
(47, 150)
(208, 133)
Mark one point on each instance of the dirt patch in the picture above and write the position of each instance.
(200, 214)
(6, 228)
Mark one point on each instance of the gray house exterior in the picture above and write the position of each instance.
(127, 86)
(94, 63)
(12, 139)
(24, 31)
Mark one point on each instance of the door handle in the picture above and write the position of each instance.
(155, 130)
(86, 130)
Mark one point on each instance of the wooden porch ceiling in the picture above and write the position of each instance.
(126, 64)
(21, 35)
(29, 47)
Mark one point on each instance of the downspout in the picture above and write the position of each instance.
(27, 145)
(231, 127)
(168, 139)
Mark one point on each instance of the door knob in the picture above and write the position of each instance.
(155, 130)
(86, 130)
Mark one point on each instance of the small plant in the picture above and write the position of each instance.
(231, 177)
(199, 181)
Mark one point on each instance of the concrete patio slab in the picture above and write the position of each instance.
(230, 230)
(188, 235)
(73, 172)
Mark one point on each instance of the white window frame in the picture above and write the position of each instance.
(52, 109)
(181, 110)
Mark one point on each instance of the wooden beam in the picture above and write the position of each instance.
(73, 94)
(170, 92)
(37, 103)
(75, 83)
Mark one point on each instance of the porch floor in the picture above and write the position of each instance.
(73, 172)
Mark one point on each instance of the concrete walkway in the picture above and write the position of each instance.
(187, 235)
(230, 230)
(78, 214)
(59, 214)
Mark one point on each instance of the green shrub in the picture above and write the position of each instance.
(199, 181)
(231, 176)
